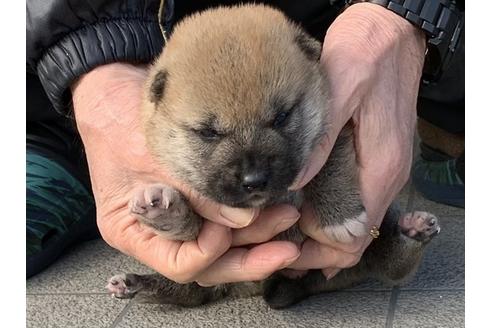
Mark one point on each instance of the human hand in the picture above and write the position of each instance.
(373, 59)
(107, 106)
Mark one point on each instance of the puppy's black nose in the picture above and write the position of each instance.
(254, 180)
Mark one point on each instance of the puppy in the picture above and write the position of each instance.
(233, 107)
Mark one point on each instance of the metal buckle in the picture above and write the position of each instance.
(439, 52)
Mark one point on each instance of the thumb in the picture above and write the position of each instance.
(316, 161)
(219, 213)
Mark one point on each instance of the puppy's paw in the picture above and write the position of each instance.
(347, 231)
(421, 226)
(155, 201)
(120, 286)
(164, 209)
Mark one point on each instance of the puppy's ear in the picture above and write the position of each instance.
(158, 86)
(308, 45)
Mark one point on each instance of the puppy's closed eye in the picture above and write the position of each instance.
(208, 134)
(280, 119)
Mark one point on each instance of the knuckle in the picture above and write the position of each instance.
(176, 273)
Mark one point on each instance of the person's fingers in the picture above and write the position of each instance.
(181, 261)
(269, 223)
(315, 162)
(377, 196)
(344, 84)
(219, 213)
(257, 263)
(318, 256)
(309, 224)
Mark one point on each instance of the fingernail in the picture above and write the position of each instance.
(204, 284)
(291, 260)
(298, 180)
(241, 217)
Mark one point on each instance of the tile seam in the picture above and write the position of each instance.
(120, 315)
(392, 307)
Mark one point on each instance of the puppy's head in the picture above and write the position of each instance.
(235, 104)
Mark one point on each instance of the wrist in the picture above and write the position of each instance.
(367, 30)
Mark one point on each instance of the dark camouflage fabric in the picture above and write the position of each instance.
(442, 173)
(55, 201)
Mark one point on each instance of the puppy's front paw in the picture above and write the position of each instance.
(350, 228)
(166, 210)
(156, 200)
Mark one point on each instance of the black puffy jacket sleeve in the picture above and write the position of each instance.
(67, 38)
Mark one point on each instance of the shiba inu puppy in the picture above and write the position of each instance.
(233, 107)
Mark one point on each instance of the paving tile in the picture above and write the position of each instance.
(441, 210)
(341, 309)
(430, 309)
(84, 269)
(443, 264)
(404, 195)
(73, 311)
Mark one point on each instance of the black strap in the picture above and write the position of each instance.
(439, 19)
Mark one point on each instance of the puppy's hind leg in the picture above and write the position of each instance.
(280, 291)
(396, 257)
(155, 288)
(392, 258)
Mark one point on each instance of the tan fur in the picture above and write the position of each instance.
(205, 79)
